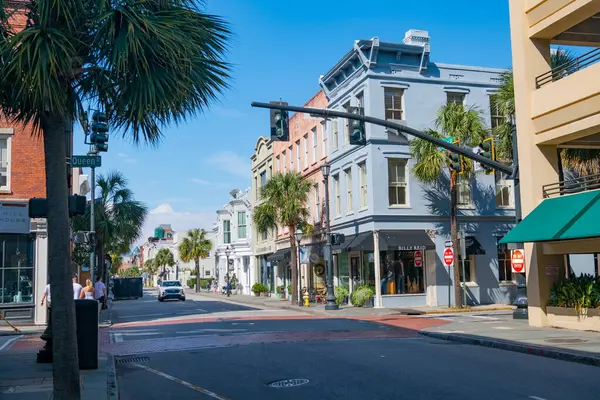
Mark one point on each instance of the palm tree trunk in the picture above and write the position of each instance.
(197, 261)
(65, 374)
(294, 263)
(454, 234)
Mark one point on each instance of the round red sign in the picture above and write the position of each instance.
(418, 258)
(448, 257)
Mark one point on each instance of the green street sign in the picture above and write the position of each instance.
(86, 161)
(448, 139)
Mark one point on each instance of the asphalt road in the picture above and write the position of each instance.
(230, 361)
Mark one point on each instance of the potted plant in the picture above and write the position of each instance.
(575, 303)
(363, 297)
(278, 292)
(257, 288)
(289, 289)
(341, 295)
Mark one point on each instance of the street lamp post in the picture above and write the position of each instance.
(331, 303)
(298, 236)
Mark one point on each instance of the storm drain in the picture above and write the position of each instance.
(286, 383)
(131, 360)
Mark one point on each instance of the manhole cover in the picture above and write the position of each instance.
(285, 383)
(566, 341)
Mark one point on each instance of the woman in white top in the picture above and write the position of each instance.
(88, 291)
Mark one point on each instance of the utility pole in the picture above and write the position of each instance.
(331, 303)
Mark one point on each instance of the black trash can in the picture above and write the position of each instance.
(86, 316)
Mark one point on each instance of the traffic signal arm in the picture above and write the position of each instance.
(326, 113)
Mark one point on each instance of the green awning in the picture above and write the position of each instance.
(575, 216)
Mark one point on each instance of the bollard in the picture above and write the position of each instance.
(86, 315)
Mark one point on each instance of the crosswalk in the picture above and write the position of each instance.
(122, 335)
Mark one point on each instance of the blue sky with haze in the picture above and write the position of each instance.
(279, 49)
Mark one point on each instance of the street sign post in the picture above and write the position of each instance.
(418, 258)
(86, 161)
(517, 260)
(448, 257)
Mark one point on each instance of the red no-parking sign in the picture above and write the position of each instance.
(448, 257)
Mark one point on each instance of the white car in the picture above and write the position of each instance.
(171, 290)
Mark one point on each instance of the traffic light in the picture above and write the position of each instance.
(456, 161)
(357, 129)
(280, 131)
(99, 135)
(488, 151)
(38, 207)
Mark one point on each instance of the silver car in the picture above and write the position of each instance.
(171, 290)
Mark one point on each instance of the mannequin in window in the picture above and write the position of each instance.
(399, 267)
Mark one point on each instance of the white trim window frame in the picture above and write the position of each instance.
(464, 191)
(362, 177)
(305, 140)
(455, 97)
(504, 189)
(398, 182)
(335, 135)
(298, 156)
(338, 199)
(315, 139)
(325, 135)
(6, 135)
(393, 103)
(349, 198)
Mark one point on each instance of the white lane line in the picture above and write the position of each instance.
(536, 398)
(139, 334)
(10, 341)
(483, 317)
(182, 382)
(212, 330)
(117, 338)
(242, 323)
(501, 327)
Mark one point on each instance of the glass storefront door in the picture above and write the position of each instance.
(16, 269)
(399, 273)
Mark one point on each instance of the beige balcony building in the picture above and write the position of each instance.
(555, 108)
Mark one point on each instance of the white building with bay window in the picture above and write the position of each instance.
(233, 247)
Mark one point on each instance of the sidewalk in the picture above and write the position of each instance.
(344, 311)
(516, 335)
(22, 378)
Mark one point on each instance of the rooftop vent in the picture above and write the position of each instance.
(416, 37)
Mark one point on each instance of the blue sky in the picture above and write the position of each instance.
(279, 49)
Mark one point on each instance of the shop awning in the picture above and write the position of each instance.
(568, 217)
(280, 255)
(473, 247)
(388, 240)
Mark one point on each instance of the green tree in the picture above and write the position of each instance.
(164, 258)
(150, 267)
(194, 247)
(461, 123)
(283, 203)
(146, 63)
(133, 272)
(119, 218)
(582, 161)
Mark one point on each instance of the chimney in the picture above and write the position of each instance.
(417, 37)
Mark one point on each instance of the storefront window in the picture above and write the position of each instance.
(400, 275)
(504, 264)
(343, 273)
(467, 269)
(16, 269)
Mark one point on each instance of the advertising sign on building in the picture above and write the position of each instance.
(14, 218)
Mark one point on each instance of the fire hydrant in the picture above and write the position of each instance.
(306, 297)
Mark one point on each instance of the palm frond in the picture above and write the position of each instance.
(428, 158)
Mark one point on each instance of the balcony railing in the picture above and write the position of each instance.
(568, 68)
(572, 186)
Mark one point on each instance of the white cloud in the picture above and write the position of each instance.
(228, 112)
(200, 181)
(181, 221)
(232, 163)
(127, 158)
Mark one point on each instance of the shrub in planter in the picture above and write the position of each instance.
(341, 295)
(361, 295)
(258, 288)
(578, 292)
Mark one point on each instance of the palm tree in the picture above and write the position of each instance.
(150, 267)
(119, 217)
(581, 161)
(194, 247)
(146, 63)
(461, 123)
(283, 203)
(163, 258)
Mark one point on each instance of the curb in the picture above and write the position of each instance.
(469, 311)
(112, 388)
(540, 351)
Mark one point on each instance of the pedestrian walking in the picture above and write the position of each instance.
(88, 291)
(46, 295)
(77, 288)
(100, 293)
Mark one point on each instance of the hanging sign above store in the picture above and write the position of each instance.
(412, 248)
(14, 218)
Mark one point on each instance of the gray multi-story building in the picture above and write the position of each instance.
(376, 197)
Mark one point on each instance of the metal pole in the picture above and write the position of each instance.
(299, 266)
(326, 113)
(331, 303)
(93, 225)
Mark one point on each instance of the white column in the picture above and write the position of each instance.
(377, 259)
(40, 277)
